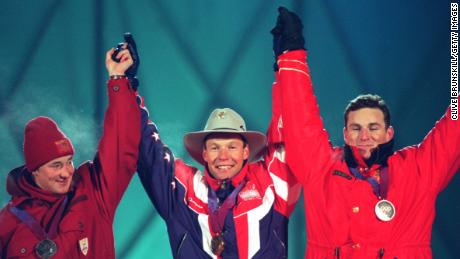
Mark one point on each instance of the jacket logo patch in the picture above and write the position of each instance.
(249, 193)
(339, 173)
(62, 146)
(84, 245)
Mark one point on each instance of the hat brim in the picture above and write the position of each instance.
(194, 141)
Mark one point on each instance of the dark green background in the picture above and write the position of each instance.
(201, 54)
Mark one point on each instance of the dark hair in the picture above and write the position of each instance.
(368, 101)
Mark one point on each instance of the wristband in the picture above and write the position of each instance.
(114, 77)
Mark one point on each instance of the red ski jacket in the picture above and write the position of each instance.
(340, 208)
(85, 230)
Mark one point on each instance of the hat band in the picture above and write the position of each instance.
(225, 129)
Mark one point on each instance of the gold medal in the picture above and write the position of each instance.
(385, 210)
(217, 245)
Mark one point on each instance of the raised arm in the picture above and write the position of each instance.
(156, 166)
(438, 155)
(115, 162)
(287, 188)
(307, 143)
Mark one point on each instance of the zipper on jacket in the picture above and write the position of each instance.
(182, 241)
(337, 252)
(381, 253)
(281, 242)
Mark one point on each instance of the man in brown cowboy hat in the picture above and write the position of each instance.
(224, 127)
(239, 207)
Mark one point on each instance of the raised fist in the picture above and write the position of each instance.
(287, 33)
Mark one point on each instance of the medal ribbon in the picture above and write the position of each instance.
(27, 219)
(380, 187)
(217, 214)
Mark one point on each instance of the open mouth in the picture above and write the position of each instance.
(224, 167)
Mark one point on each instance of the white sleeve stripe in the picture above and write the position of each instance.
(280, 153)
(200, 189)
(292, 60)
(254, 217)
(281, 186)
(293, 69)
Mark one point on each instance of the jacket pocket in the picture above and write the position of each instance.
(275, 248)
(21, 245)
(73, 236)
(181, 245)
(188, 248)
(282, 245)
(72, 225)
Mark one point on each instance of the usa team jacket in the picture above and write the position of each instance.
(257, 225)
(339, 208)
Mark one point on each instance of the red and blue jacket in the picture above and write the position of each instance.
(257, 225)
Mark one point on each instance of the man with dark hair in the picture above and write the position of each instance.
(362, 200)
(368, 101)
(57, 211)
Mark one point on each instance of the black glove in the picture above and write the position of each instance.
(118, 48)
(131, 72)
(287, 33)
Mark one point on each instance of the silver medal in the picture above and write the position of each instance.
(385, 210)
(46, 248)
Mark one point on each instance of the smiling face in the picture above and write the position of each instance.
(56, 175)
(225, 154)
(366, 130)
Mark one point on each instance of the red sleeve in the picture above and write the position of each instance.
(287, 188)
(307, 143)
(118, 147)
(438, 155)
(8, 223)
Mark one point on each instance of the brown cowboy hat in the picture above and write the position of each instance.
(224, 120)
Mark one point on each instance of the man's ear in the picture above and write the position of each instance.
(345, 135)
(246, 152)
(204, 154)
(34, 174)
(390, 133)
